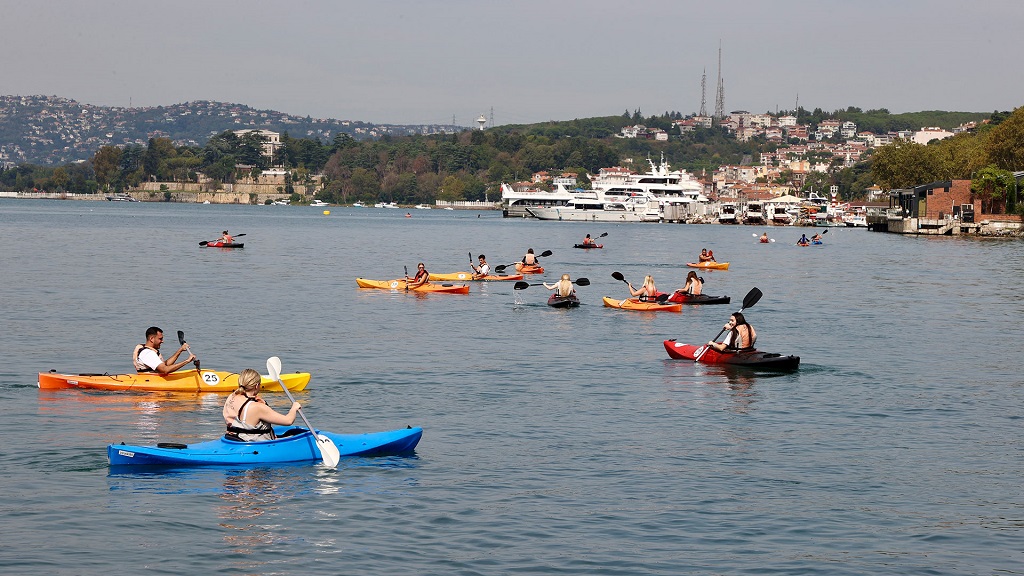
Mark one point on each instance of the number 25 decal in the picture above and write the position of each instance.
(211, 378)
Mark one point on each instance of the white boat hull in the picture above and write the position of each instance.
(577, 215)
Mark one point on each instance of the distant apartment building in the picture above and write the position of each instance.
(927, 134)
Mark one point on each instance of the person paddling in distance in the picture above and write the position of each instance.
(226, 238)
(563, 287)
(739, 335)
(588, 241)
(803, 241)
(483, 269)
(146, 357)
(816, 238)
(764, 238)
(419, 279)
(247, 416)
(647, 290)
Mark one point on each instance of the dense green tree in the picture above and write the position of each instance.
(903, 164)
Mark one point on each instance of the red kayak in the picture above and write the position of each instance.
(588, 246)
(748, 359)
(219, 244)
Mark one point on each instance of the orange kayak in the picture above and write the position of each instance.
(400, 284)
(644, 306)
(709, 265)
(524, 269)
(464, 276)
(181, 381)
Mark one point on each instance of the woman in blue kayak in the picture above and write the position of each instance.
(246, 414)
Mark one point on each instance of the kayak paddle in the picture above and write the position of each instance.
(748, 302)
(199, 375)
(328, 451)
(524, 285)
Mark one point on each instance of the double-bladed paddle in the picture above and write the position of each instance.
(524, 285)
(328, 451)
(748, 302)
(501, 267)
(205, 242)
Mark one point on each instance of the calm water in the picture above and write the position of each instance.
(556, 442)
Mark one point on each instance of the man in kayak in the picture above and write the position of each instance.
(226, 238)
(741, 336)
(246, 414)
(147, 358)
(816, 238)
(563, 287)
(706, 256)
(482, 270)
(588, 241)
(764, 238)
(419, 279)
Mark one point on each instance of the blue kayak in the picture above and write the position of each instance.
(293, 445)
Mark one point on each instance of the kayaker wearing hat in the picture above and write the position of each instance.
(146, 357)
(247, 415)
(564, 286)
(226, 238)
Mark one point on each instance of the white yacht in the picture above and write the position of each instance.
(514, 204)
(727, 213)
(385, 205)
(358, 205)
(780, 214)
(318, 203)
(754, 213)
(660, 186)
(421, 207)
(594, 210)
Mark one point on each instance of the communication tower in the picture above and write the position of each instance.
(703, 93)
(720, 96)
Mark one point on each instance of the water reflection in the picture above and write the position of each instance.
(700, 381)
(248, 495)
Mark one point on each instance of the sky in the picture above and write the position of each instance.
(518, 62)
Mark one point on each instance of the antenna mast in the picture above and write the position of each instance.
(703, 93)
(720, 96)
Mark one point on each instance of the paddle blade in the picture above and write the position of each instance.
(181, 337)
(204, 242)
(825, 232)
(501, 267)
(520, 286)
(751, 298)
(328, 451)
(274, 367)
(582, 282)
(546, 253)
(239, 235)
(603, 235)
(618, 276)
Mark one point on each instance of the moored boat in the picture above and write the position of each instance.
(180, 381)
(641, 305)
(683, 298)
(401, 284)
(292, 446)
(709, 265)
(570, 301)
(749, 359)
(467, 276)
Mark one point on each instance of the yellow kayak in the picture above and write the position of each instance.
(401, 284)
(181, 381)
(709, 265)
(637, 304)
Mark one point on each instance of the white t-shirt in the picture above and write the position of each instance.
(484, 270)
(150, 358)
